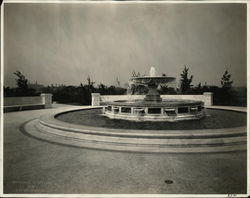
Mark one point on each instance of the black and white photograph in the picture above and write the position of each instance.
(124, 98)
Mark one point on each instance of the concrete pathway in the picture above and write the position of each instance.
(241, 109)
(35, 166)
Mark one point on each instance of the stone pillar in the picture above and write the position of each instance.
(46, 100)
(96, 97)
(162, 111)
(208, 98)
(176, 110)
(103, 110)
(132, 110)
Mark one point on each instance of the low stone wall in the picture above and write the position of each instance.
(10, 101)
(109, 98)
(28, 102)
(97, 99)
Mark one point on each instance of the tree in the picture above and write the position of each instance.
(90, 85)
(21, 81)
(185, 80)
(118, 82)
(165, 89)
(198, 89)
(227, 95)
(137, 89)
(226, 81)
(23, 88)
(102, 89)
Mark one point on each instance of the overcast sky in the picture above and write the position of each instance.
(64, 43)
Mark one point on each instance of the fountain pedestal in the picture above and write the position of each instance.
(153, 95)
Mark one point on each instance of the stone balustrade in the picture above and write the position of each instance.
(206, 97)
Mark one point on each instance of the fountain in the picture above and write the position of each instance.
(144, 125)
(153, 107)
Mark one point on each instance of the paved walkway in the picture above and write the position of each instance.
(241, 109)
(35, 166)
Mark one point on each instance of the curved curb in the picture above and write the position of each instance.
(175, 141)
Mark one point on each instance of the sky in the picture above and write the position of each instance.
(66, 43)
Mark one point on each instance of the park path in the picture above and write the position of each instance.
(35, 166)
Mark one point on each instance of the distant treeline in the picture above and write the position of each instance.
(67, 94)
(224, 95)
(82, 94)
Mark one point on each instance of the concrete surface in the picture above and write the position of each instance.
(229, 108)
(35, 166)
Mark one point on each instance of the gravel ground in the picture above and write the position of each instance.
(35, 166)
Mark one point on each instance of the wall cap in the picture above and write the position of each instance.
(208, 93)
(95, 94)
(43, 94)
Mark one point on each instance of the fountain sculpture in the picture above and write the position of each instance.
(153, 107)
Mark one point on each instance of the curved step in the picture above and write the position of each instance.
(232, 140)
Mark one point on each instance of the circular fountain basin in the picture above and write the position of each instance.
(165, 110)
(215, 119)
(62, 128)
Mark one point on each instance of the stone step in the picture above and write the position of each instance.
(147, 141)
(169, 134)
(225, 144)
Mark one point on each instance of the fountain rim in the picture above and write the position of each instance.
(48, 128)
(163, 103)
(50, 119)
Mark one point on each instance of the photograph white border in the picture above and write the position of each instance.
(247, 2)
